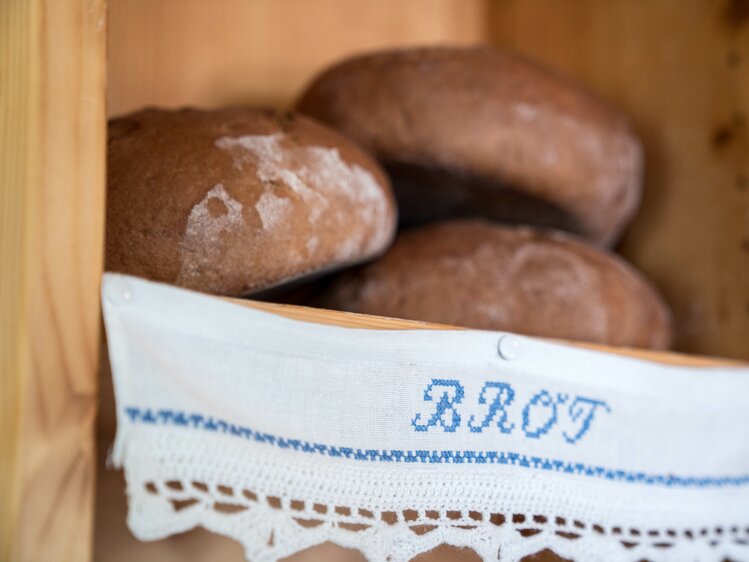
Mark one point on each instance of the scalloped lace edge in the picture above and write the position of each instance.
(271, 528)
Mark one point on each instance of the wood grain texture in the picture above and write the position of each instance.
(195, 52)
(52, 141)
(365, 321)
(680, 68)
(17, 32)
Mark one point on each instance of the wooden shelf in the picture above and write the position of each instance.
(678, 68)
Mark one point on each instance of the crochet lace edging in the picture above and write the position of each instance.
(272, 527)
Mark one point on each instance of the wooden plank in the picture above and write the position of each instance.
(178, 52)
(52, 140)
(353, 320)
(680, 68)
(16, 33)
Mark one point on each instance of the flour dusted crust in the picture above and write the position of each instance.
(479, 275)
(481, 131)
(237, 200)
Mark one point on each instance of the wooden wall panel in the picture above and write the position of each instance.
(177, 52)
(680, 68)
(52, 135)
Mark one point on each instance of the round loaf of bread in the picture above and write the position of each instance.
(237, 200)
(484, 132)
(523, 280)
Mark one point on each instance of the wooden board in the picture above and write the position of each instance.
(352, 320)
(52, 125)
(680, 68)
(194, 52)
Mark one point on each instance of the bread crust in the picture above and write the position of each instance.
(483, 131)
(524, 280)
(236, 200)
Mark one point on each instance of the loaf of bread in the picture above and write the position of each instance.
(237, 200)
(484, 132)
(480, 275)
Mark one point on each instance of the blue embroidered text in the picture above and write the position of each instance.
(538, 415)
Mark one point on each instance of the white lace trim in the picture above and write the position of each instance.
(272, 527)
(257, 498)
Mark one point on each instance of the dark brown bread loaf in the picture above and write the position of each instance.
(237, 200)
(479, 275)
(481, 131)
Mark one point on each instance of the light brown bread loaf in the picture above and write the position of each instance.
(237, 200)
(481, 131)
(523, 280)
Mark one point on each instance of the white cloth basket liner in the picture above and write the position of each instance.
(284, 434)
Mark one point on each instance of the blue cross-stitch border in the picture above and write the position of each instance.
(198, 421)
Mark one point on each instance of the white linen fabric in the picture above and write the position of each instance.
(284, 434)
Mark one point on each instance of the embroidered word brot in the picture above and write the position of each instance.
(538, 416)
